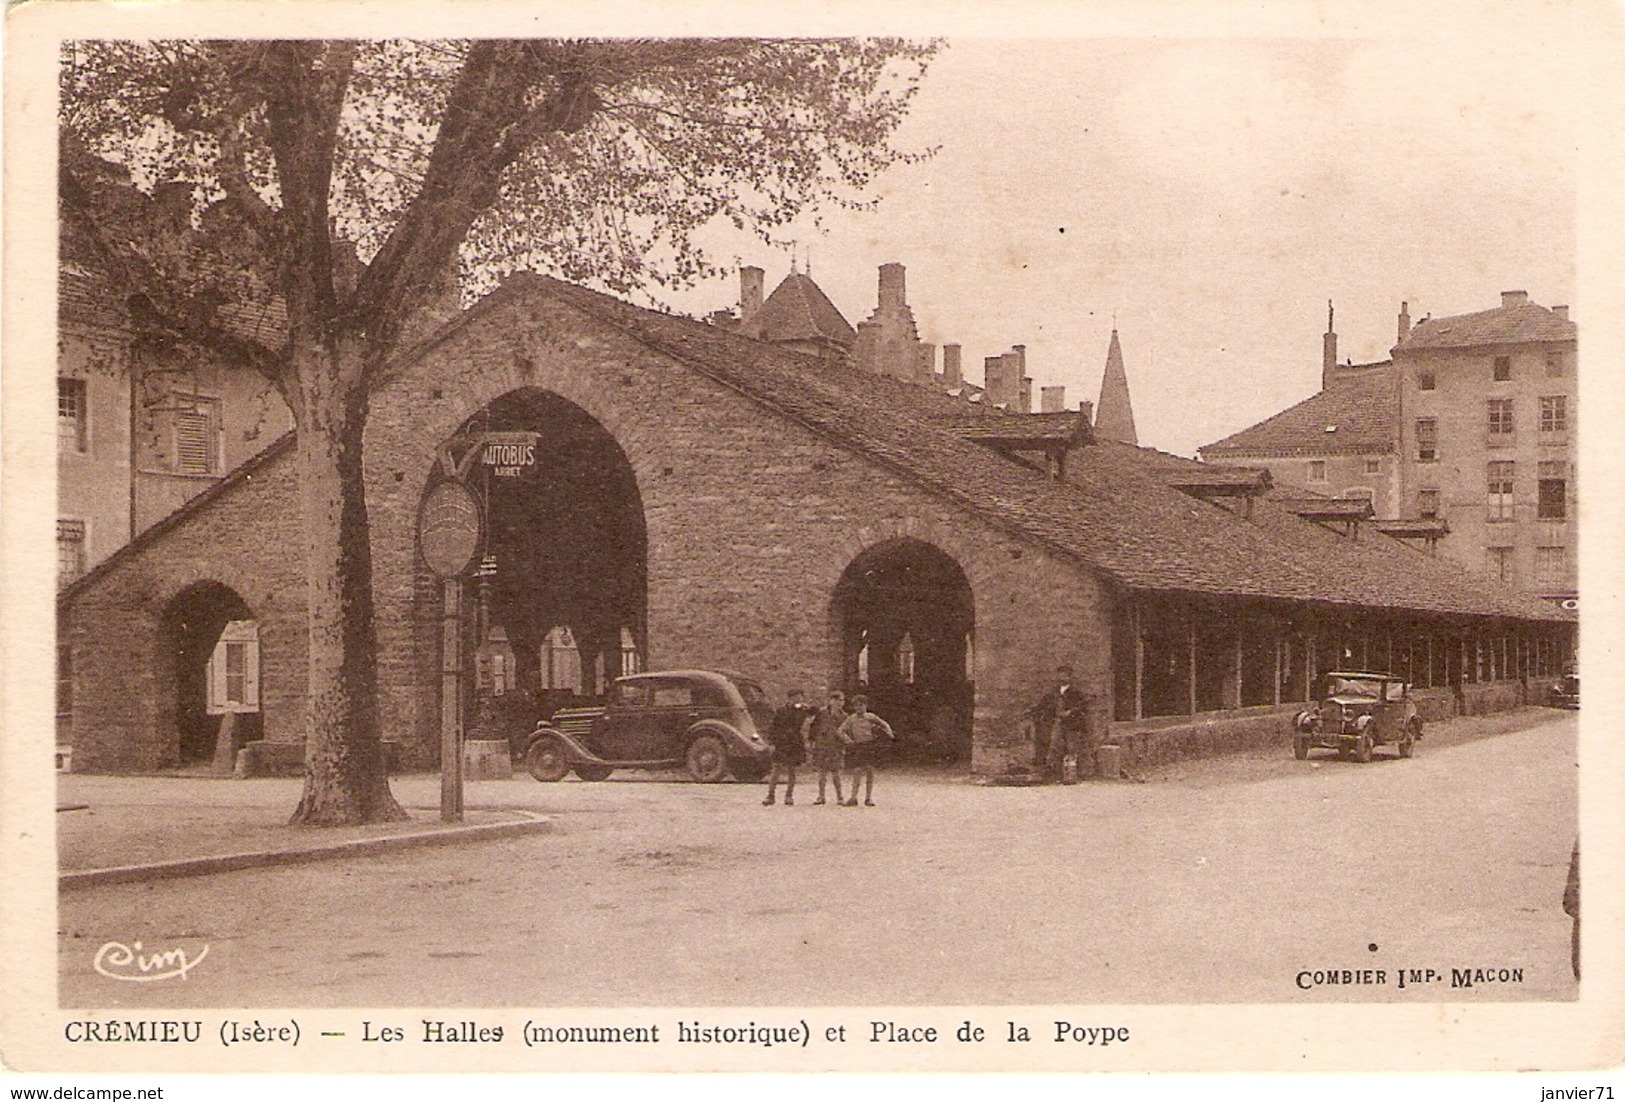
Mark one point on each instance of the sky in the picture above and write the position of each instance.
(1207, 194)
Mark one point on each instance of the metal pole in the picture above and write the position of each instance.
(451, 702)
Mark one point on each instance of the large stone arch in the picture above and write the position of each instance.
(902, 627)
(192, 622)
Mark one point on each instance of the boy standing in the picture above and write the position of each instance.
(788, 734)
(826, 742)
(866, 737)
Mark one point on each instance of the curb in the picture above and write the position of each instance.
(231, 862)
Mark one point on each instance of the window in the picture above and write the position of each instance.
(560, 660)
(70, 550)
(70, 414)
(905, 659)
(197, 436)
(1373, 466)
(1427, 440)
(1554, 365)
(1553, 491)
(1551, 565)
(1554, 413)
(1500, 562)
(1426, 380)
(233, 670)
(1500, 491)
(1427, 504)
(1503, 369)
(673, 694)
(1317, 470)
(1500, 416)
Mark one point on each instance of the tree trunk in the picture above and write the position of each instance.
(345, 779)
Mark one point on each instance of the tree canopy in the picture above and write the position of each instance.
(299, 206)
(596, 160)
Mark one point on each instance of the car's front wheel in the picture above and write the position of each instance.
(707, 759)
(594, 772)
(547, 759)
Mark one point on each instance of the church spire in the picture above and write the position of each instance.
(1114, 419)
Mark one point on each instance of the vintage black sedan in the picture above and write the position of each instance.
(708, 722)
(1358, 711)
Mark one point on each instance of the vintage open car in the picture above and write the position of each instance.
(708, 722)
(1358, 711)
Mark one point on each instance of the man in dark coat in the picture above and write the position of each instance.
(1061, 723)
(788, 736)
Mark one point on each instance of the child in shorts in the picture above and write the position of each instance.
(866, 738)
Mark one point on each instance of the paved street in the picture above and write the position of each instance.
(1214, 881)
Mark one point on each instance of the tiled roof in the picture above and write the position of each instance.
(1033, 428)
(798, 310)
(1354, 416)
(1114, 511)
(1520, 323)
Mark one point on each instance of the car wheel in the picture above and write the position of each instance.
(1362, 748)
(547, 759)
(707, 759)
(1300, 748)
(594, 772)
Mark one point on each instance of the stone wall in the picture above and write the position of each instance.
(751, 520)
(245, 536)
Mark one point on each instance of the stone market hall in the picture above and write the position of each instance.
(671, 493)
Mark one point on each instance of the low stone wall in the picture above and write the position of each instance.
(1435, 705)
(1491, 696)
(1153, 742)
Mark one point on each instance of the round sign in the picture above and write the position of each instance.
(449, 529)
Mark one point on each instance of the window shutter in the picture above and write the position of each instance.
(237, 650)
(194, 452)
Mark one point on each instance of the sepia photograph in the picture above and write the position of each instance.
(941, 542)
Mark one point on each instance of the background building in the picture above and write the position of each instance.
(144, 422)
(1487, 418)
(1465, 438)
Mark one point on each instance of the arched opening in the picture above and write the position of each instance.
(213, 640)
(906, 621)
(559, 602)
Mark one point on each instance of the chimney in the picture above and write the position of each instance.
(1087, 409)
(1328, 351)
(952, 373)
(1404, 321)
(928, 360)
(1052, 399)
(1514, 298)
(892, 294)
(1026, 394)
(1001, 382)
(750, 293)
(1561, 312)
